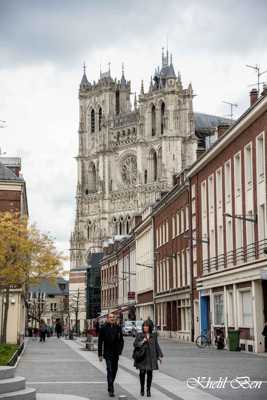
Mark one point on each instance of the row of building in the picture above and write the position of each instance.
(196, 259)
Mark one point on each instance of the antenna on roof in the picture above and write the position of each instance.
(259, 74)
(232, 105)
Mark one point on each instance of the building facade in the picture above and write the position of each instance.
(128, 155)
(144, 239)
(13, 198)
(228, 192)
(173, 263)
(48, 301)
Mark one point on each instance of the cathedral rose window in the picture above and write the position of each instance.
(129, 170)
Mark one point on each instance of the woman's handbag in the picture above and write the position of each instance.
(139, 353)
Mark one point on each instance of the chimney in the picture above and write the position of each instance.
(221, 129)
(253, 96)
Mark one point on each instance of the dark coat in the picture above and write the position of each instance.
(110, 336)
(152, 354)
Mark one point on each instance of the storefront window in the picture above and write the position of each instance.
(218, 309)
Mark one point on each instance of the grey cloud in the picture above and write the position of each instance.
(63, 31)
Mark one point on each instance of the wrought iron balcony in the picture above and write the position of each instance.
(235, 258)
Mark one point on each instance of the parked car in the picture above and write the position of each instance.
(127, 328)
(138, 327)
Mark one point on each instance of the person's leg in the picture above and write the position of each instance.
(115, 362)
(109, 374)
(142, 376)
(149, 382)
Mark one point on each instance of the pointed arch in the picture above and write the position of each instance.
(153, 120)
(162, 118)
(99, 119)
(92, 121)
(92, 178)
(153, 165)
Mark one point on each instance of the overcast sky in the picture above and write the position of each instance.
(44, 43)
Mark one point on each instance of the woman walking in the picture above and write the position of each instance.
(146, 354)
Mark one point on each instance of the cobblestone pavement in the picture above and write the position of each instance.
(63, 367)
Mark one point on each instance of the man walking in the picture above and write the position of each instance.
(110, 336)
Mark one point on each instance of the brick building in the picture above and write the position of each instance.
(144, 239)
(172, 294)
(228, 192)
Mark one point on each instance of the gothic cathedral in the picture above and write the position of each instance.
(128, 156)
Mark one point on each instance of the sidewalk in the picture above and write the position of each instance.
(53, 367)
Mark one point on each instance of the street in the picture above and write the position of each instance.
(64, 367)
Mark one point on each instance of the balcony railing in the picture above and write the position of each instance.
(235, 257)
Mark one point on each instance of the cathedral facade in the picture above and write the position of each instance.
(128, 155)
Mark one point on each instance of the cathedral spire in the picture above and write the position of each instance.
(123, 80)
(142, 87)
(84, 82)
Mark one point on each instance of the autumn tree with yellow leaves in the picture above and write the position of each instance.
(27, 256)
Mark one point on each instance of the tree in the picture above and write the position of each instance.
(26, 257)
(76, 306)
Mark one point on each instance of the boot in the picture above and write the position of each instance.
(149, 382)
(142, 383)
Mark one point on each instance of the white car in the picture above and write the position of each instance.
(128, 327)
(138, 328)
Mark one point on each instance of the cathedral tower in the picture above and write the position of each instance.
(128, 157)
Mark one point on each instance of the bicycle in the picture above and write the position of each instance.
(204, 339)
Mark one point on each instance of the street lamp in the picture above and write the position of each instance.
(249, 218)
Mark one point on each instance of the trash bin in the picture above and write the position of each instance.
(233, 340)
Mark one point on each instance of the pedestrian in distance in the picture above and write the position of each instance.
(58, 329)
(264, 333)
(43, 331)
(110, 346)
(146, 354)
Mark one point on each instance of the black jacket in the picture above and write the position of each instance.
(110, 336)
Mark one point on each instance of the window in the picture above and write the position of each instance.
(145, 176)
(219, 187)
(93, 121)
(182, 220)
(186, 218)
(227, 180)
(178, 270)
(153, 120)
(117, 102)
(248, 164)
(250, 229)
(203, 198)
(178, 224)
(100, 119)
(183, 260)
(231, 321)
(237, 174)
(218, 309)
(211, 193)
(239, 233)
(260, 156)
(188, 269)
(162, 112)
(174, 272)
(246, 308)
(262, 222)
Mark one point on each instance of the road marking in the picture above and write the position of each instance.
(126, 380)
